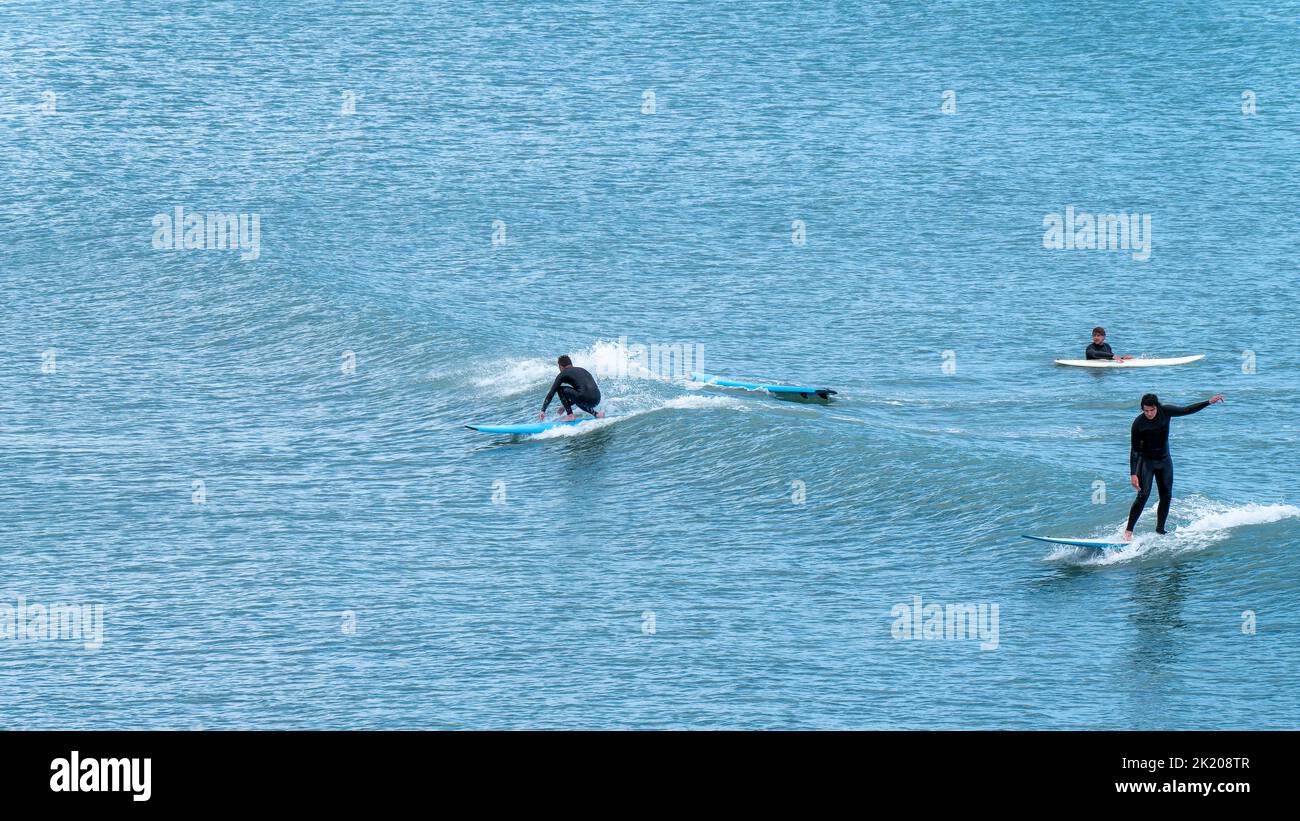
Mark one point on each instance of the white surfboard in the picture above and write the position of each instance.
(1129, 363)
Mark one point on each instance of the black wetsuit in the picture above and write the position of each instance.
(575, 386)
(1148, 459)
(1101, 351)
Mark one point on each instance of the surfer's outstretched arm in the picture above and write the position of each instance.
(1184, 410)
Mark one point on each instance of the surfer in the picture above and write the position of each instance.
(1099, 349)
(575, 386)
(1148, 456)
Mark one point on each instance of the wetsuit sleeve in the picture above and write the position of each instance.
(1096, 352)
(555, 386)
(1133, 449)
(1183, 410)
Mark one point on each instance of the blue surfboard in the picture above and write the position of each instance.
(1095, 544)
(797, 390)
(520, 430)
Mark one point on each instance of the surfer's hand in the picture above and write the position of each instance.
(1218, 397)
(541, 417)
(1133, 480)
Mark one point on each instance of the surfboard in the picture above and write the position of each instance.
(1129, 363)
(520, 430)
(797, 390)
(1095, 544)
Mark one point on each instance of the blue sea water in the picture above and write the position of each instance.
(258, 467)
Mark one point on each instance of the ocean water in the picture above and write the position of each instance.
(257, 467)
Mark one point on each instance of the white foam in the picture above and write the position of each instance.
(1140, 545)
(1222, 517)
(577, 430)
(1205, 523)
(513, 376)
(696, 401)
(678, 403)
(509, 377)
(610, 360)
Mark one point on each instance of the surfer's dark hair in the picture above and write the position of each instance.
(1099, 330)
(1150, 400)
(564, 361)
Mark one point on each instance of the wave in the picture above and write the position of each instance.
(608, 361)
(679, 403)
(1194, 524)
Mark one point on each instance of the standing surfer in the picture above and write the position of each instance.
(1149, 458)
(1099, 349)
(575, 386)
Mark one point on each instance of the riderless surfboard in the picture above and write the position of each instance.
(823, 393)
(1129, 363)
(1095, 544)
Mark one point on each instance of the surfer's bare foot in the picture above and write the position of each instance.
(1128, 535)
(600, 414)
(569, 418)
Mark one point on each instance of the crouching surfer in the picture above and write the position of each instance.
(574, 386)
(1149, 459)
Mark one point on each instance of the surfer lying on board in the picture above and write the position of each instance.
(1099, 349)
(1148, 456)
(575, 386)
